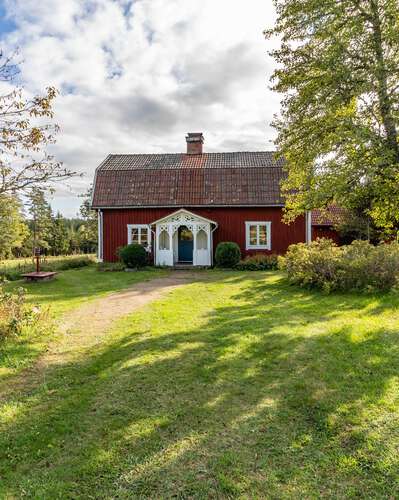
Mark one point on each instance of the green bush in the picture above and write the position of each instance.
(15, 314)
(368, 267)
(359, 266)
(228, 254)
(133, 256)
(12, 274)
(313, 265)
(258, 262)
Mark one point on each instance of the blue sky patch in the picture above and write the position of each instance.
(7, 24)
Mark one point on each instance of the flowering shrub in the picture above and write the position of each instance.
(15, 314)
(359, 266)
(258, 262)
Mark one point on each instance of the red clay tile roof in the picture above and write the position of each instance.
(156, 180)
(328, 217)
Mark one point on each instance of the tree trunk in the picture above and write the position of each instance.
(382, 77)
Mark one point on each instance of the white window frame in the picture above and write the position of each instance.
(268, 225)
(140, 227)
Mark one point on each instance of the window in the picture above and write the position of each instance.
(202, 240)
(258, 235)
(164, 240)
(139, 234)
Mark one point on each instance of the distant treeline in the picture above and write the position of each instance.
(34, 225)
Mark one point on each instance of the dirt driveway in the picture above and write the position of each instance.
(87, 325)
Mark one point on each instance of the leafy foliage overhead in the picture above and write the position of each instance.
(339, 74)
(26, 131)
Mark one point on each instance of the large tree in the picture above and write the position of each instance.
(41, 220)
(13, 229)
(338, 69)
(59, 236)
(26, 131)
(88, 230)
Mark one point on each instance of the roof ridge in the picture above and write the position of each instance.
(202, 154)
(162, 161)
(123, 169)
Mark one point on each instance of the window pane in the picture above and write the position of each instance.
(253, 240)
(164, 240)
(202, 240)
(262, 235)
(185, 234)
(135, 235)
(144, 237)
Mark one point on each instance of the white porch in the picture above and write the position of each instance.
(183, 237)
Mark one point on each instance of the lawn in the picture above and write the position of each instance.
(235, 386)
(68, 290)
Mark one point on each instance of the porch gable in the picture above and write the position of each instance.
(169, 246)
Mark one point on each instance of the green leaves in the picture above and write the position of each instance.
(339, 74)
(26, 130)
(13, 229)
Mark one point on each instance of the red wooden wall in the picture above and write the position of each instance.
(231, 227)
(325, 232)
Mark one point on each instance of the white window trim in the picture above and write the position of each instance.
(140, 227)
(258, 223)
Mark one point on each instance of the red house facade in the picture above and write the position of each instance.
(324, 223)
(180, 206)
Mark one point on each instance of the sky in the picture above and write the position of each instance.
(135, 76)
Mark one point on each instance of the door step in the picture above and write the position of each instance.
(181, 266)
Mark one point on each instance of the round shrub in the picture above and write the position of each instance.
(228, 254)
(133, 256)
(359, 266)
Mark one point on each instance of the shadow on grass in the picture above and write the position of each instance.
(66, 291)
(271, 395)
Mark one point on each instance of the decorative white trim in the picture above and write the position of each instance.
(188, 217)
(268, 225)
(140, 227)
(308, 221)
(100, 255)
(171, 224)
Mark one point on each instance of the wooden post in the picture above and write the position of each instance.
(37, 256)
(308, 224)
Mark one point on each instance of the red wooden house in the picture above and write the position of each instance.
(324, 223)
(180, 206)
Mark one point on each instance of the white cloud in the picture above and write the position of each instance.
(135, 76)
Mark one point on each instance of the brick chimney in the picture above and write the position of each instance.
(194, 141)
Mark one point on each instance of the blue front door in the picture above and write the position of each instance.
(185, 244)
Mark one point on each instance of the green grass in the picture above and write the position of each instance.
(12, 269)
(71, 288)
(237, 386)
(68, 290)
